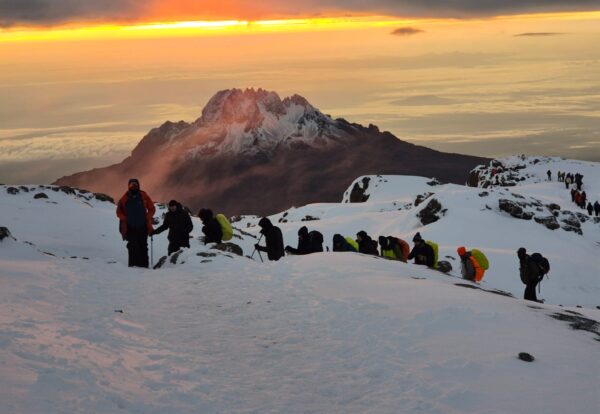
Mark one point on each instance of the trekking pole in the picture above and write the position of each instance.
(259, 255)
(151, 252)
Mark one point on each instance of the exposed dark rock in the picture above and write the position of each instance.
(23, 188)
(40, 195)
(473, 179)
(67, 190)
(579, 323)
(175, 256)
(429, 215)
(357, 195)
(230, 248)
(206, 254)
(310, 218)
(514, 209)
(104, 197)
(549, 221)
(434, 182)
(484, 194)
(553, 207)
(12, 190)
(422, 197)
(160, 262)
(4, 233)
(524, 356)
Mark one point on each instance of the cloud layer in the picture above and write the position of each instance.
(45, 12)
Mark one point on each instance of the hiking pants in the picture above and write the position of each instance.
(530, 292)
(137, 247)
(175, 246)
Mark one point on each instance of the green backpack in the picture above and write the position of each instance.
(434, 246)
(352, 242)
(225, 227)
(481, 259)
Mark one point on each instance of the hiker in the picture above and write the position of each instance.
(583, 199)
(386, 251)
(273, 239)
(574, 195)
(400, 247)
(568, 181)
(422, 252)
(135, 211)
(590, 208)
(473, 264)
(307, 242)
(213, 233)
(549, 175)
(532, 270)
(344, 244)
(579, 181)
(559, 176)
(366, 244)
(179, 223)
(597, 208)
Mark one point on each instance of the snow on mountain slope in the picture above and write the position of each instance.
(472, 217)
(344, 332)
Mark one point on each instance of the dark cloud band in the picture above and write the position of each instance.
(42, 12)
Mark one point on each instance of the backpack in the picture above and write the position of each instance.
(481, 259)
(316, 241)
(352, 242)
(542, 263)
(444, 266)
(434, 246)
(225, 227)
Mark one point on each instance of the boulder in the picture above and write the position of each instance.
(12, 190)
(429, 214)
(549, 221)
(40, 195)
(514, 209)
(357, 195)
(104, 197)
(4, 233)
(230, 248)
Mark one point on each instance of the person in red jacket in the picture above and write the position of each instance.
(135, 211)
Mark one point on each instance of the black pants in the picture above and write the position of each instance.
(176, 245)
(530, 292)
(137, 246)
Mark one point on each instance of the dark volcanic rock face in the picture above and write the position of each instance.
(253, 153)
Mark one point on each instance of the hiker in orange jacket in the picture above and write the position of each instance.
(135, 211)
(471, 269)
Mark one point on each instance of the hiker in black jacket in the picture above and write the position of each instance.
(531, 274)
(179, 223)
(366, 244)
(422, 252)
(213, 233)
(597, 208)
(304, 245)
(273, 239)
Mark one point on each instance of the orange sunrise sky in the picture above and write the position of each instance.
(80, 86)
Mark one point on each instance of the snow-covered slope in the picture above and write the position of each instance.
(212, 332)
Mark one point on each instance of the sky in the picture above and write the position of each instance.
(81, 82)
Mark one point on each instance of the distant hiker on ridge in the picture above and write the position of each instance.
(549, 175)
(179, 223)
(213, 232)
(366, 244)
(273, 238)
(344, 244)
(135, 211)
(422, 252)
(590, 208)
(307, 242)
(597, 208)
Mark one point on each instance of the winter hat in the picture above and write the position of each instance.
(521, 252)
(173, 203)
(461, 251)
(205, 214)
(418, 237)
(362, 234)
(303, 231)
(134, 181)
(265, 223)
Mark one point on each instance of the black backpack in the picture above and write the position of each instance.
(542, 263)
(316, 241)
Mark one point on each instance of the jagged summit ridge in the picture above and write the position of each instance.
(249, 122)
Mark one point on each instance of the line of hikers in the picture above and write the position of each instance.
(578, 196)
(136, 210)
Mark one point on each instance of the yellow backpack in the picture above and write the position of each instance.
(225, 227)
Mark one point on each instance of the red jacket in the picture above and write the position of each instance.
(122, 212)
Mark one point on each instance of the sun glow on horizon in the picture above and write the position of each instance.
(190, 28)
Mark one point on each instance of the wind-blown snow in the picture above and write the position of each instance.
(343, 332)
